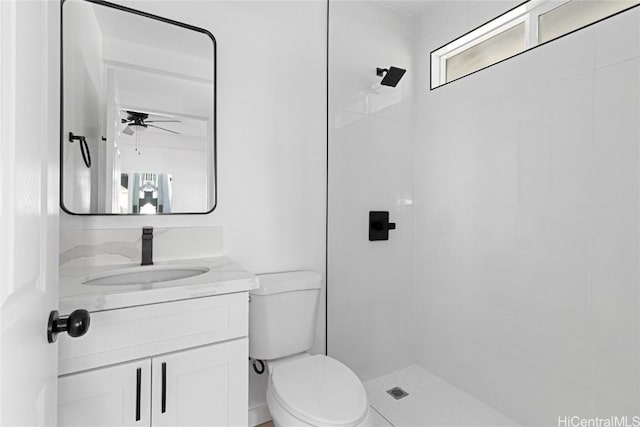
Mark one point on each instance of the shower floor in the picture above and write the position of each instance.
(431, 402)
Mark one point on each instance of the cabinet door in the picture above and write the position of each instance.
(118, 395)
(204, 386)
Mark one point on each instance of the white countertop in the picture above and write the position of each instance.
(223, 277)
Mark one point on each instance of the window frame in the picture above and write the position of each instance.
(442, 59)
(527, 12)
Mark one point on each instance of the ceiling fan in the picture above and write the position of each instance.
(137, 122)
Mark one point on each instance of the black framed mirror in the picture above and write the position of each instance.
(138, 113)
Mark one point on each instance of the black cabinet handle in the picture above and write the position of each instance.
(138, 390)
(164, 387)
(76, 324)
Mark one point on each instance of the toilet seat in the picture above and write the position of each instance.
(319, 390)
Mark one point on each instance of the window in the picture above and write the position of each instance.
(503, 45)
(522, 28)
(573, 15)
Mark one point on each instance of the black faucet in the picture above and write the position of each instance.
(147, 246)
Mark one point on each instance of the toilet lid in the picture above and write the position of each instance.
(320, 390)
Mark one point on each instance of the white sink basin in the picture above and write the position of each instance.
(144, 275)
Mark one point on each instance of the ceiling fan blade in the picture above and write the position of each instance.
(162, 121)
(166, 130)
(161, 115)
(128, 131)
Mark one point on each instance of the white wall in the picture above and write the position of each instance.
(370, 168)
(527, 242)
(271, 134)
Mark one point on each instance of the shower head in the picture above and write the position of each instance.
(392, 75)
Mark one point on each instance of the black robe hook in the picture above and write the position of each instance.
(84, 147)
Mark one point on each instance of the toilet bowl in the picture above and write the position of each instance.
(303, 389)
(316, 391)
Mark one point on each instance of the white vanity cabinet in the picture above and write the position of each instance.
(179, 363)
(110, 396)
(205, 386)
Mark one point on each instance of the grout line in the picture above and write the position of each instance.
(385, 418)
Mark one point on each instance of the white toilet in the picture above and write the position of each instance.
(303, 390)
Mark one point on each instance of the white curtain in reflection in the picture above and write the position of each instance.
(134, 190)
(164, 192)
(144, 181)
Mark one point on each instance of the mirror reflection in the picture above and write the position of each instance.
(138, 124)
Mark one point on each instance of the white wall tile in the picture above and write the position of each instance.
(442, 15)
(521, 389)
(443, 339)
(615, 277)
(616, 134)
(616, 373)
(617, 38)
(370, 168)
(607, 403)
(531, 264)
(482, 11)
(534, 162)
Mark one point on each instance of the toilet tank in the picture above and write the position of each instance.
(282, 314)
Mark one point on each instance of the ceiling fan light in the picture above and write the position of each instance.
(137, 127)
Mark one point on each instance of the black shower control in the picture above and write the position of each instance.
(379, 225)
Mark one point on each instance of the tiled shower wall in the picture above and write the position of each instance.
(527, 241)
(370, 168)
(514, 272)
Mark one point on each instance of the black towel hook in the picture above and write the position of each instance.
(84, 147)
